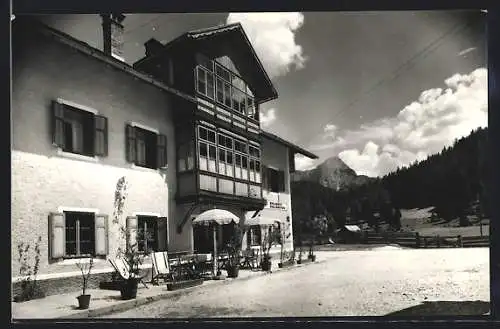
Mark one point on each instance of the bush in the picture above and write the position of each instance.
(29, 287)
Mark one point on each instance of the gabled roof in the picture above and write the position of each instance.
(221, 40)
(293, 147)
(29, 24)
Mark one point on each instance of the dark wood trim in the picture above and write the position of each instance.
(207, 197)
(217, 175)
(180, 226)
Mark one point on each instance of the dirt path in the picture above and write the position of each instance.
(356, 283)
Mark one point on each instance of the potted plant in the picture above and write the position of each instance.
(286, 259)
(267, 241)
(86, 269)
(134, 258)
(299, 259)
(233, 249)
(311, 254)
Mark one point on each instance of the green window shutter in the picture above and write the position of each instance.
(101, 135)
(131, 227)
(57, 238)
(130, 143)
(162, 236)
(58, 124)
(101, 235)
(161, 153)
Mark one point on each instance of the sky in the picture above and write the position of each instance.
(380, 90)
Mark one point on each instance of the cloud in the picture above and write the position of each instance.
(466, 51)
(273, 38)
(303, 162)
(329, 131)
(422, 128)
(267, 117)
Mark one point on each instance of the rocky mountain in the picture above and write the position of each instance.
(332, 173)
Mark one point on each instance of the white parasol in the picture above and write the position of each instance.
(216, 217)
(261, 221)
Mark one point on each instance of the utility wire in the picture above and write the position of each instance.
(426, 51)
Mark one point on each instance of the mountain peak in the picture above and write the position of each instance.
(332, 173)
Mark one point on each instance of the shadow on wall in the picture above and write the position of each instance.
(445, 308)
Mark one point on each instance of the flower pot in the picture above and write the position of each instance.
(233, 271)
(128, 289)
(83, 301)
(266, 265)
(312, 258)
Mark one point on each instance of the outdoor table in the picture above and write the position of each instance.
(203, 263)
(184, 266)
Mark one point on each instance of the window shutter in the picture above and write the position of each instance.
(58, 124)
(265, 178)
(101, 235)
(249, 237)
(101, 135)
(162, 236)
(281, 181)
(131, 228)
(57, 239)
(161, 154)
(130, 143)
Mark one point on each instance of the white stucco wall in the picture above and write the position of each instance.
(43, 180)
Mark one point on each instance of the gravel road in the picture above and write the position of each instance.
(349, 283)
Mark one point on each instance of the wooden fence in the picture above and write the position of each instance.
(415, 240)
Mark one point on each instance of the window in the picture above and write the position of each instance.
(147, 233)
(219, 87)
(205, 82)
(244, 167)
(275, 180)
(75, 234)
(207, 149)
(225, 141)
(275, 233)
(207, 134)
(185, 156)
(254, 173)
(146, 148)
(79, 131)
(254, 236)
(230, 89)
(237, 166)
(222, 161)
(239, 100)
(227, 94)
(240, 146)
(222, 72)
(79, 234)
(254, 151)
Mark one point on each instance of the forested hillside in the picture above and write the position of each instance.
(452, 181)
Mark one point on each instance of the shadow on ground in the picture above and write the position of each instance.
(445, 308)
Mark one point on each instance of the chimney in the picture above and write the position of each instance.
(153, 46)
(113, 35)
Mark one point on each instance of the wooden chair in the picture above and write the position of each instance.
(123, 268)
(251, 259)
(161, 268)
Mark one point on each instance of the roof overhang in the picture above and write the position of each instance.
(294, 148)
(226, 40)
(30, 25)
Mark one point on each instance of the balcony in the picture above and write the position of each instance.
(224, 95)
